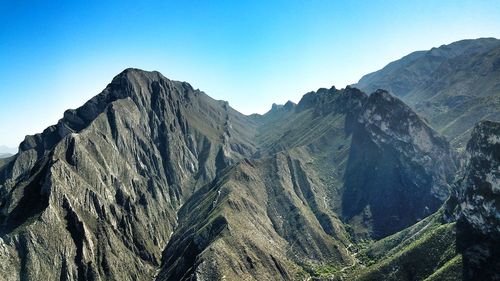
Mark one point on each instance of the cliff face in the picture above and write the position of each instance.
(398, 170)
(152, 179)
(478, 226)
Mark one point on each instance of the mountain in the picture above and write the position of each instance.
(96, 195)
(271, 217)
(453, 86)
(5, 155)
(7, 150)
(152, 179)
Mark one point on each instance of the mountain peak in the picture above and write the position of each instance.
(314, 98)
(383, 96)
(136, 84)
(276, 106)
(137, 72)
(394, 153)
(381, 105)
(289, 105)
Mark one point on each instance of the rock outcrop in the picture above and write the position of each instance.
(478, 226)
(399, 170)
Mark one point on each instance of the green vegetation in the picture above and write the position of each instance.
(450, 271)
(432, 252)
(321, 271)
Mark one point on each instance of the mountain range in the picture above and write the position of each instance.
(452, 87)
(154, 180)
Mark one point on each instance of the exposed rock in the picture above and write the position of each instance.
(479, 204)
(399, 169)
(461, 240)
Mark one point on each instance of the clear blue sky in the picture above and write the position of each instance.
(251, 53)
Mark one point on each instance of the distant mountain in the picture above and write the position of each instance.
(152, 179)
(453, 86)
(7, 150)
(5, 155)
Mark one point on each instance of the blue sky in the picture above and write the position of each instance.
(57, 55)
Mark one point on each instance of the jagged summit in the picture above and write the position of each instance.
(288, 106)
(382, 107)
(122, 86)
(312, 98)
(129, 73)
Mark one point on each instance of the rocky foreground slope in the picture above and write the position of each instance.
(154, 180)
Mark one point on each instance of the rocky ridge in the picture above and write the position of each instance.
(459, 241)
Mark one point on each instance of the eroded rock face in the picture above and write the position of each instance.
(399, 169)
(478, 226)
